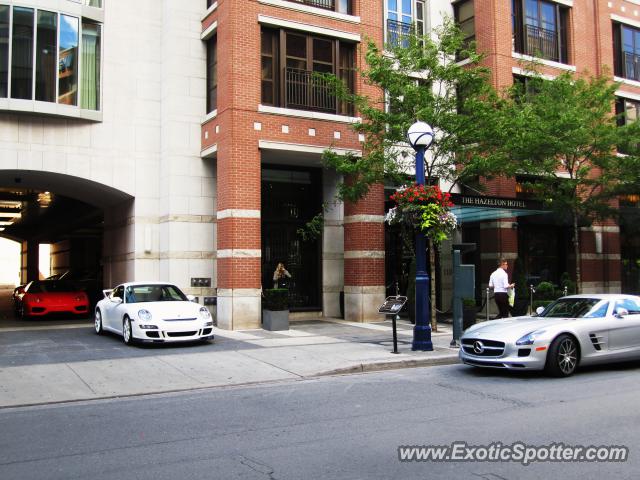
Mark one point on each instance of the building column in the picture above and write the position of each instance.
(364, 288)
(600, 259)
(238, 235)
(29, 263)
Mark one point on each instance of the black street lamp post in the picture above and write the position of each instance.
(420, 136)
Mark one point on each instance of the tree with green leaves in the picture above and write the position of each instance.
(421, 78)
(564, 131)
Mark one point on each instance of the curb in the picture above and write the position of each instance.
(392, 365)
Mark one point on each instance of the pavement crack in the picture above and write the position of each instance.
(272, 364)
(489, 476)
(486, 395)
(81, 379)
(257, 466)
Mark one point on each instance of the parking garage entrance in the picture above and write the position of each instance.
(65, 212)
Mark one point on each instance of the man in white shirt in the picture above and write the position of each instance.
(499, 281)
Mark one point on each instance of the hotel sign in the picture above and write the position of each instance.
(495, 202)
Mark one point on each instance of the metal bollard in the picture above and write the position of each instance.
(487, 303)
(565, 291)
(532, 290)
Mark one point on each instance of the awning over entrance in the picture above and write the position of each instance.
(469, 208)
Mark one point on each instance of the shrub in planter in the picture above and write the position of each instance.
(275, 313)
(276, 299)
(546, 291)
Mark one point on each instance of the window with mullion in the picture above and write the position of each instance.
(42, 52)
(626, 51)
(212, 74)
(540, 29)
(465, 19)
(291, 64)
(627, 111)
(403, 18)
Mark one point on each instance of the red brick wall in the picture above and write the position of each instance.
(367, 236)
(238, 155)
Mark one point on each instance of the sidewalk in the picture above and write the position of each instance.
(308, 349)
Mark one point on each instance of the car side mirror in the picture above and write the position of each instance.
(539, 310)
(191, 298)
(116, 299)
(621, 312)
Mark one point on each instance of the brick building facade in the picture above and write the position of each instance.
(197, 135)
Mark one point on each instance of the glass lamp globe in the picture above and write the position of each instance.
(420, 135)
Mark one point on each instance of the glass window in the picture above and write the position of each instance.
(22, 53)
(212, 74)
(631, 305)
(290, 81)
(269, 58)
(465, 19)
(68, 61)
(118, 292)
(4, 51)
(46, 51)
(154, 293)
(90, 66)
(540, 29)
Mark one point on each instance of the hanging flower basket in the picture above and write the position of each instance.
(423, 208)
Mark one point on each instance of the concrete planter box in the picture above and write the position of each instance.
(275, 320)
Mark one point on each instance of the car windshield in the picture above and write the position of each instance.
(576, 308)
(51, 286)
(153, 293)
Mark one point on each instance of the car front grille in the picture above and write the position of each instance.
(482, 348)
(181, 334)
(179, 319)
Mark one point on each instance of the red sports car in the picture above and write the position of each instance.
(42, 297)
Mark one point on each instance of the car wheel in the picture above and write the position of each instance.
(98, 323)
(22, 314)
(562, 359)
(127, 335)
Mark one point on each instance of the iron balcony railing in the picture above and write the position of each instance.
(398, 33)
(342, 6)
(542, 43)
(305, 91)
(631, 66)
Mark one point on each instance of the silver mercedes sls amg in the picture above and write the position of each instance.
(572, 331)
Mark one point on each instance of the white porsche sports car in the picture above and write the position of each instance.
(152, 312)
(574, 330)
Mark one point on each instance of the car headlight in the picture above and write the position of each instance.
(529, 338)
(204, 312)
(144, 314)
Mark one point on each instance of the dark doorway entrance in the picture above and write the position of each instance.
(290, 198)
(544, 250)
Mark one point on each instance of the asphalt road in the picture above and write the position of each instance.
(346, 427)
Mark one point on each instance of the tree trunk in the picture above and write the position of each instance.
(576, 250)
(432, 271)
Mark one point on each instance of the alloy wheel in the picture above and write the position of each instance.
(567, 356)
(126, 331)
(98, 322)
